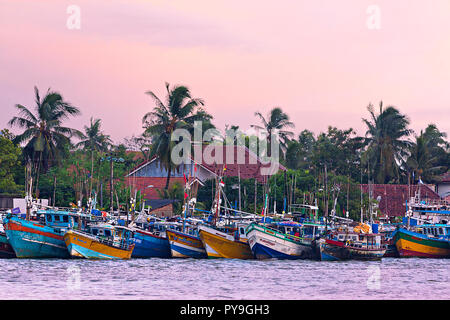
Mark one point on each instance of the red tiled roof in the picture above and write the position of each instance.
(250, 166)
(394, 196)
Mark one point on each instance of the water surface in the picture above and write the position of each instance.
(176, 279)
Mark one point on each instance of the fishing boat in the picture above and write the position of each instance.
(225, 237)
(343, 244)
(151, 239)
(388, 231)
(6, 251)
(227, 242)
(43, 238)
(425, 241)
(426, 230)
(186, 243)
(277, 241)
(100, 241)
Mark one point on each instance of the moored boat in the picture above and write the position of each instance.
(151, 239)
(424, 241)
(347, 245)
(6, 251)
(39, 239)
(100, 241)
(228, 243)
(186, 244)
(268, 243)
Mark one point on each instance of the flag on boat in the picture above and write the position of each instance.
(222, 184)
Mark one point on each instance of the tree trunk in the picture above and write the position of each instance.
(92, 172)
(169, 169)
(54, 190)
(37, 175)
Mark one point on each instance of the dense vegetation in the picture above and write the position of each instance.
(68, 165)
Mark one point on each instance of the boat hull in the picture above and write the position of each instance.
(267, 244)
(6, 251)
(218, 245)
(81, 245)
(148, 245)
(331, 250)
(185, 246)
(413, 244)
(33, 240)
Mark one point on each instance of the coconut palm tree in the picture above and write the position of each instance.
(44, 136)
(275, 123)
(179, 110)
(94, 140)
(425, 154)
(386, 147)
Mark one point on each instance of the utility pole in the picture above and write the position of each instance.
(256, 193)
(112, 159)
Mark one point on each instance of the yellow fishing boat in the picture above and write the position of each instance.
(231, 244)
(100, 242)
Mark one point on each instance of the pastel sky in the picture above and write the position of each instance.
(317, 60)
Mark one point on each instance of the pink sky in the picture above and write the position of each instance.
(317, 60)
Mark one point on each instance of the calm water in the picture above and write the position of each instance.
(224, 279)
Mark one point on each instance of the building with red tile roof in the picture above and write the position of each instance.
(229, 161)
(392, 197)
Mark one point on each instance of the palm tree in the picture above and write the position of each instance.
(94, 141)
(180, 110)
(45, 138)
(425, 154)
(386, 148)
(276, 121)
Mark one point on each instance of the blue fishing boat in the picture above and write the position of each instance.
(151, 240)
(42, 238)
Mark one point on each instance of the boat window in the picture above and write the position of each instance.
(94, 232)
(57, 218)
(108, 233)
(65, 218)
(242, 231)
(49, 217)
(441, 231)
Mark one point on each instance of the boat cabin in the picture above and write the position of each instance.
(435, 230)
(58, 219)
(360, 240)
(117, 236)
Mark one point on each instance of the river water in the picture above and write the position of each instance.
(180, 279)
